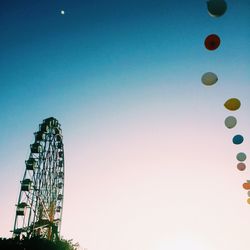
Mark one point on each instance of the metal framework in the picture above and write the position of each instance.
(40, 202)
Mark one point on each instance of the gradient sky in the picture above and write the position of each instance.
(149, 162)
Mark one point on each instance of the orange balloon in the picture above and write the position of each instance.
(246, 185)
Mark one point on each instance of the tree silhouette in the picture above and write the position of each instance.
(37, 243)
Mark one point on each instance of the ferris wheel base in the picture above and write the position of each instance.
(38, 231)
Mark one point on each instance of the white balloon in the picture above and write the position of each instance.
(230, 122)
(209, 78)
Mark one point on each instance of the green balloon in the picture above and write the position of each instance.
(241, 156)
(216, 8)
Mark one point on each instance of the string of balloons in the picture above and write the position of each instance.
(217, 8)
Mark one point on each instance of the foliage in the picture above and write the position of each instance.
(37, 244)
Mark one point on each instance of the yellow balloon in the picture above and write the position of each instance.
(248, 201)
(232, 104)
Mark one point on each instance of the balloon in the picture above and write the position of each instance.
(232, 104)
(241, 166)
(216, 8)
(230, 122)
(241, 156)
(212, 42)
(209, 78)
(238, 139)
(246, 185)
(248, 201)
(248, 193)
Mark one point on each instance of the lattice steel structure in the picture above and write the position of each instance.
(40, 202)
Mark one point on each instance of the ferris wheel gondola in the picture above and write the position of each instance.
(40, 202)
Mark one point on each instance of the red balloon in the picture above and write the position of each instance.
(212, 42)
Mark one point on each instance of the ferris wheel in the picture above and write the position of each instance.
(40, 202)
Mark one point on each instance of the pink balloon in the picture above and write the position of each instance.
(241, 166)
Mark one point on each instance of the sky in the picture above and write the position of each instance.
(149, 163)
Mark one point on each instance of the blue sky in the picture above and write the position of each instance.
(123, 79)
